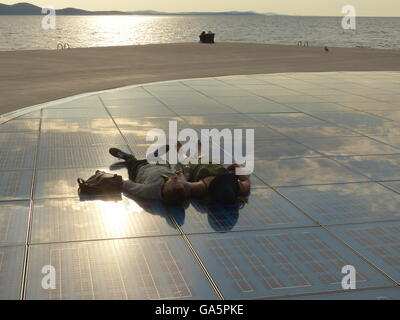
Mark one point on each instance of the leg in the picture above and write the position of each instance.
(133, 166)
(121, 155)
(115, 152)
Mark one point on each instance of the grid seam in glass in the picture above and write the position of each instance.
(29, 224)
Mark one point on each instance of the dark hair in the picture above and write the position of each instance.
(176, 198)
(224, 189)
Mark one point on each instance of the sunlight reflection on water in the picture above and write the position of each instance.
(25, 32)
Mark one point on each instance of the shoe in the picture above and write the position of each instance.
(120, 154)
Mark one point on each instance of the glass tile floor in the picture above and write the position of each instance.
(326, 193)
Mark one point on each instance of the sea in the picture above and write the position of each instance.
(27, 32)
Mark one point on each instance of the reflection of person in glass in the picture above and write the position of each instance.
(221, 218)
(224, 218)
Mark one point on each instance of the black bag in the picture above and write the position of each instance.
(101, 183)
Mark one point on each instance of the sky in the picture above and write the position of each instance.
(292, 7)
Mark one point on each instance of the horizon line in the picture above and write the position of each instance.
(156, 12)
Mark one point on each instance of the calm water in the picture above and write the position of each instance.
(25, 32)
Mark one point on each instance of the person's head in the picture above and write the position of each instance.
(224, 189)
(174, 191)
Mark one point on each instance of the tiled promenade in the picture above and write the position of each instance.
(326, 193)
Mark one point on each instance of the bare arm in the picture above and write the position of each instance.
(181, 175)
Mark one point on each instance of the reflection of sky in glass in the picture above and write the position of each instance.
(115, 215)
(346, 203)
(384, 167)
(13, 220)
(80, 125)
(303, 171)
(70, 219)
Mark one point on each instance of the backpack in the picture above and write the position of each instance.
(101, 183)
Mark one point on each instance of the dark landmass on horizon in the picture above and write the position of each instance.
(30, 9)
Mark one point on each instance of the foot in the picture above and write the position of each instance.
(120, 154)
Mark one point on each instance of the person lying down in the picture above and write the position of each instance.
(174, 185)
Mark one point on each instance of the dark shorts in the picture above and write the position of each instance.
(133, 167)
